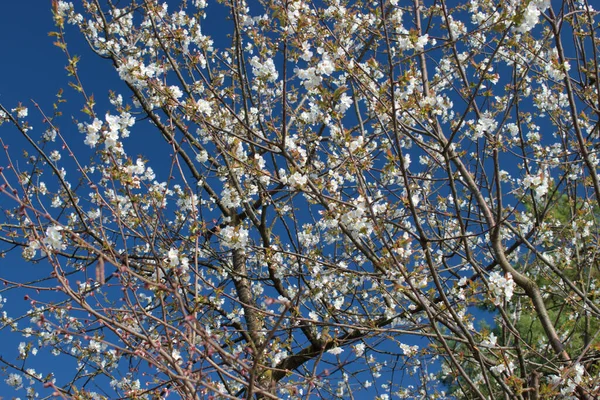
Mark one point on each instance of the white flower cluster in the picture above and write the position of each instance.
(359, 349)
(30, 250)
(96, 346)
(408, 350)
(501, 287)
(502, 367)
(21, 112)
(54, 239)
(234, 237)
(406, 42)
(204, 107)
(188, 202)
(135, 72)
(63, 7)
(25, 350)
(344, 103)
(306, 237)
(312, 76)
(176, 354)
(280, 355)
(569, 379)
(115, 124)
(66, 9)
(297, 180)
(264, 70)
(485, 124)
(126, 383)
(530, 16)
(174, 259)
(202, 156)
(358, 219)
(335, 351)
(91, 131)
(15, 381)
(539, 183)
(490, 341)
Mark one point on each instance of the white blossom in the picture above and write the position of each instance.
(54, 239)
(172, 258)
(335, 351)
(486, 124)
(502, 287)
(234, 237)
(14, 380)
(264, 69)
(297, 180)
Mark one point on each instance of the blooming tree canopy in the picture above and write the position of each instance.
(353, 198)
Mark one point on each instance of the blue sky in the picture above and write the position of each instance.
(30, 61)
(33, 68)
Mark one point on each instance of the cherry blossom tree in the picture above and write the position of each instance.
(346, 192)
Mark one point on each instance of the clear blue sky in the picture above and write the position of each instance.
(32, 67)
